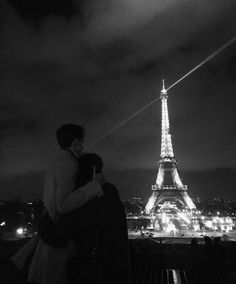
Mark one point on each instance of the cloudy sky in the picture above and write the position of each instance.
(95, 63)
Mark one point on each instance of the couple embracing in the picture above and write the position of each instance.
(83, 231)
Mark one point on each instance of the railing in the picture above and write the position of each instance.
(179, 276)
(181, 263)
(161, 276)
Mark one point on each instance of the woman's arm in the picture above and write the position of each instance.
(67, 197)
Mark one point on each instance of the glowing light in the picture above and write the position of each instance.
(170, 228)
(160, 176)
(163, 91)
(120, 124)
(221, 220)
(204, 61)
(177, 179)
(208, 224)
(215, 219)
(222, 228)
(184, 217)
(150, 204)
(3, 224)
(196, 227)
(229, 220)
(164, 218)
(149, 104)
(188, 201)
(166, 144)
(20, 231)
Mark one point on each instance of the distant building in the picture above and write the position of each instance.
(134, 207)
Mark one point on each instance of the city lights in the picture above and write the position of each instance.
(20, 231)
(170, 209)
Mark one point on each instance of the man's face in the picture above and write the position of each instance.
(78, 145)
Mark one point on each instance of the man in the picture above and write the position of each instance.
(61, 196)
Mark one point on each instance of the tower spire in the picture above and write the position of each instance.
(166, 143)
(168, 185)
(163, 91)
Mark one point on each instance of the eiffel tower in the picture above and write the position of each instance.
(168, 187)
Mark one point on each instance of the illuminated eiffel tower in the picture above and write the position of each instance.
(168, 187)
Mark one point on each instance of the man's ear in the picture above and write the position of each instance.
(73, 143)
(76, 142)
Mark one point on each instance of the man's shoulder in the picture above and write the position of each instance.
(66, 156)
(62, 159)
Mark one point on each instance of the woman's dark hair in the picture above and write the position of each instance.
(86, 165)
(67, 133)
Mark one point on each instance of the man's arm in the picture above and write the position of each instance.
(67, 197)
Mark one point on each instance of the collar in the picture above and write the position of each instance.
(69, 150)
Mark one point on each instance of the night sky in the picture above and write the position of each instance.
(95, 63)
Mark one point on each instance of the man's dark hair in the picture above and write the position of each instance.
(67, 133)
(86, 165)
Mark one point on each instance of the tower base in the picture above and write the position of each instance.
(170, 194)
